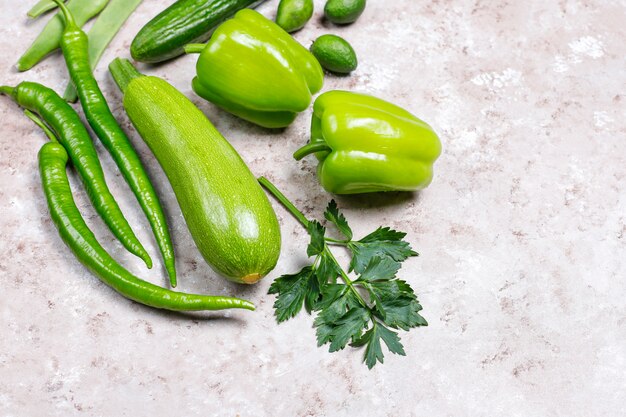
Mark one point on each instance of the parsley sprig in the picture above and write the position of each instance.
(360, 311)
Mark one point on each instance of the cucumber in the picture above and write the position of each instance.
(185, 21)
(229, 216)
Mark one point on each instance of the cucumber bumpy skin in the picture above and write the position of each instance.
(343, 12)
(335, 54)
(185, 21)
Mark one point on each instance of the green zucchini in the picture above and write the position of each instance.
(185, 21)
(229, 216)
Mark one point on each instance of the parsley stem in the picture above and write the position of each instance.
(336, 242)
(271, 188)
(345, 278)
(283, 200)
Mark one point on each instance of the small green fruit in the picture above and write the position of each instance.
(292, 15)
(334, 54)
(343, 12)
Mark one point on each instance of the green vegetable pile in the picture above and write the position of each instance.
(252, 68)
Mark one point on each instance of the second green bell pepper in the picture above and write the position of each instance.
(255, 70)
(365, 144)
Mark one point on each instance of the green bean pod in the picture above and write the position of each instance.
(81, 240)
(49, 38)
(63, 120)
(74, 44)
(41, 7)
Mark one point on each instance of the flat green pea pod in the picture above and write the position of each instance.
(253, 69)
(41, 7)
(292, 15)
(50, 37)
(365, 144)
(343, 12)
(335, 54)
(81, 240)
(72, 134)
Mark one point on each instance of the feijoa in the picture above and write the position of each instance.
(343, 11)
(334, 54)
(292, 15)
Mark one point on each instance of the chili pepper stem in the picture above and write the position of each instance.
(9, 91)
(309, 149)
(69, 19)
(123, 72)
(271, 188)
(194, 48)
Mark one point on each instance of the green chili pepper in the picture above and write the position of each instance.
(365, 144)
(255, 70)
(74, 44)
(49, 38)
(102, 33)
(81, 240)
(74, 137)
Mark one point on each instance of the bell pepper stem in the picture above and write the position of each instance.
(123, 72)
(271, 188)
(67, 15)
(194, 48)
(32, 116)
(309, 149)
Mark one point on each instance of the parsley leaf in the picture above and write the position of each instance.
(401, 312)
(317, 231)
(291, 290)
(333, 215)
(327, 270)
(380, 269)
(339, 332)
(396, 304)
(384, 243)
(374, 351)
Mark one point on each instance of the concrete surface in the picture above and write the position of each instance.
(522, 235)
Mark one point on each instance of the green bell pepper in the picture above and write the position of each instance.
(255, 70)
(365, 144)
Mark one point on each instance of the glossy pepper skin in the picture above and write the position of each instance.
(76, 234)
(75, 47)
(255, 70)
(365, 144)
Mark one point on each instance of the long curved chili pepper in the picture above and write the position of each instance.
(77, 235)
(63, 120)
(74, 44)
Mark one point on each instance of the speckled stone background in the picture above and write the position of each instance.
(522, 235)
